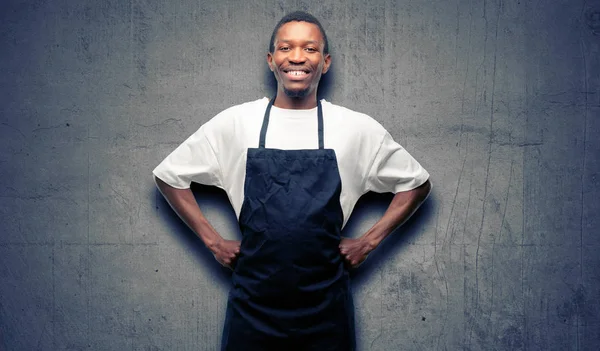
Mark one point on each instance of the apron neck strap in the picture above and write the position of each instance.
(265, 125)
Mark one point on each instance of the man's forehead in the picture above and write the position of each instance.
(291, 30)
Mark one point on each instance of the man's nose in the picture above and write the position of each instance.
(297, 56)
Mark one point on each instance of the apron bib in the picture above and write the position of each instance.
(290, 289)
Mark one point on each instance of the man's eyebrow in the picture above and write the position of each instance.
(289, 41)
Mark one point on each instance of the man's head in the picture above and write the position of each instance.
(299, 16)
(298, 55)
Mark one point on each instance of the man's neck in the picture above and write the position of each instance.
(304, 103)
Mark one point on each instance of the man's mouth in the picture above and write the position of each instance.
(296, 74)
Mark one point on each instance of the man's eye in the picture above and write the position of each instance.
(311, 49)
(284, 48)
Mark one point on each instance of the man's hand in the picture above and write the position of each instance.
(226, 252)
(355, 251)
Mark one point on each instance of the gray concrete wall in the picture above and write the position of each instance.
(499, 100)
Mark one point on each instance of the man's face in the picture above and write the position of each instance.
(298, 60)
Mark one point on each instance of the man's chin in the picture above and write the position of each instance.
(296, 93)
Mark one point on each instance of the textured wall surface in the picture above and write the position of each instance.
(499, 100)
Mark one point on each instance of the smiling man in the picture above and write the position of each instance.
(293, 168)
(298, 56)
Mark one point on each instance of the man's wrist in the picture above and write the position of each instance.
(213, 243)
(370, 243)
(212, 240)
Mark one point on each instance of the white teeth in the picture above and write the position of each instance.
(296, 73)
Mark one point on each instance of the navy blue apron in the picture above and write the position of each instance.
(290, 288)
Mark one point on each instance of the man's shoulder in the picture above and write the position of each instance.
(235, 117)
(351, 118)
(239, 112)
(245, 107)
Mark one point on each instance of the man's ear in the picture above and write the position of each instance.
(327, 63)
(270, 61)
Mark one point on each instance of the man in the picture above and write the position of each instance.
(293, 168)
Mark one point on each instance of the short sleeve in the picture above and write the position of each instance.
(394, 169)
(192, 161)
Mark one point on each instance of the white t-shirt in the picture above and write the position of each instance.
(368, 158)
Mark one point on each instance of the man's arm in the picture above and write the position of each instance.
(184, 204)
(403, 205)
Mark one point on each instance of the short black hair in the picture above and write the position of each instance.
(298, 16)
